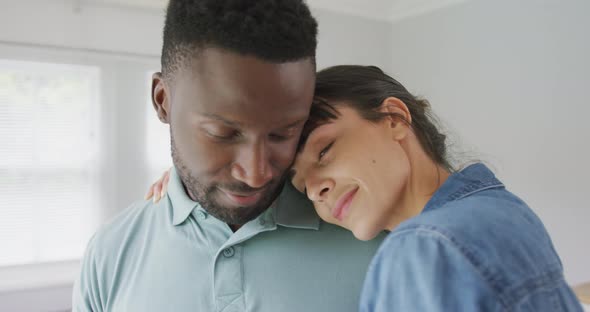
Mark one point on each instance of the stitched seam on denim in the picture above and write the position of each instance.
(474, 188)
(548, 280)
(469, 255)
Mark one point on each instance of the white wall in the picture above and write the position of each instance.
(345, 39)
(61, 23)
(126, 43)
(54, 299)
(511, 78)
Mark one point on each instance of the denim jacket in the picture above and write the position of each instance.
(474, 247)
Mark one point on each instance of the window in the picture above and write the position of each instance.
(72, 155)
(49, 139)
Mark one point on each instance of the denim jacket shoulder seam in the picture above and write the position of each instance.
(523, 290)
(469, 256)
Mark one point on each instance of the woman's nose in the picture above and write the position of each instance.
(319, 189)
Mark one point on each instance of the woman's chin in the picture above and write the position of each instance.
(365, 234)
(360, 232)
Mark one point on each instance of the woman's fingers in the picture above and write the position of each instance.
(165, 183)
(150, 192)
(159, 188)
(158, 191)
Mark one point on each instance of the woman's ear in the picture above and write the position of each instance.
(160, 97)
(399, 120)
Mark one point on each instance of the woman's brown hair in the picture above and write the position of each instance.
(365, 88)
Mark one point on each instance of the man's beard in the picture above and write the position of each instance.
(206, 195)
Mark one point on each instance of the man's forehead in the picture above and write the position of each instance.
(248, 79)
(254, 86)
(220, 61)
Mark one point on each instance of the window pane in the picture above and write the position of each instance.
(49, 160)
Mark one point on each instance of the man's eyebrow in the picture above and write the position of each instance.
(223, 120)
(236, 124)
(296, 123)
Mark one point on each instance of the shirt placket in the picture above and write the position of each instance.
(228, 276)
(228, 272)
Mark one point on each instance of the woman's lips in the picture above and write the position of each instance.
(343, 205)
(244, 199)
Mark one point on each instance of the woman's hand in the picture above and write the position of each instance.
(159, 188)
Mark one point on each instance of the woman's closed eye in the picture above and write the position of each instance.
(325, 150)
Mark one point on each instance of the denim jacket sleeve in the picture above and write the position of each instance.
(422, 270)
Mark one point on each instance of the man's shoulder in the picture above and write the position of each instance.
(129, 225)
(115, 243)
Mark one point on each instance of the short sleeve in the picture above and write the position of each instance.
(86, 294)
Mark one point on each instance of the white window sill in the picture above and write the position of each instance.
(35, 276)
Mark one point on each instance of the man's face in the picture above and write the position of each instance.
(235, 122)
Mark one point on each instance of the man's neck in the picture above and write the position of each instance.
(234, 227)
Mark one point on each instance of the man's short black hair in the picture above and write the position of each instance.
(277, 31)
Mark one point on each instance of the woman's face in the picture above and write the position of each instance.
(354, 171)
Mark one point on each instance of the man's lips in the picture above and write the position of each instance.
(244, 199)
(343, 204)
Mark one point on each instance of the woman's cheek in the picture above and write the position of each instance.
(325, 214)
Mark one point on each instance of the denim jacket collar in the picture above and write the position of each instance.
(472, 179)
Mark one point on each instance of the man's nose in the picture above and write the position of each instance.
(252, 165)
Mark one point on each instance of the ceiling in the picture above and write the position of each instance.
(388, 10)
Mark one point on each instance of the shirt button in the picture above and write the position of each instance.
(201, 215)
(229, 252)
(262, 221)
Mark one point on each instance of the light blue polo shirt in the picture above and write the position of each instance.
(173, 256)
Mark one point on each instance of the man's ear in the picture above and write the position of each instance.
(399, 120)
(160, 97)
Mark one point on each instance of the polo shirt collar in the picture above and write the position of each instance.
(182, 205)
(474, 178)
